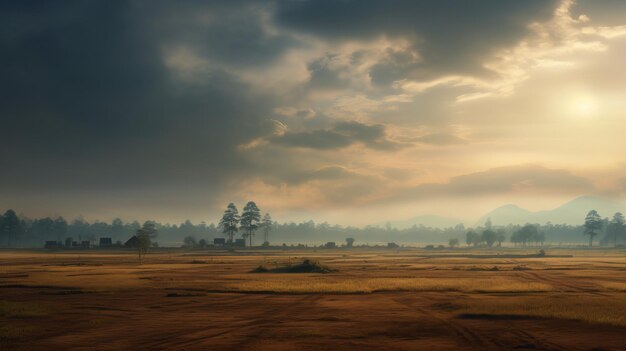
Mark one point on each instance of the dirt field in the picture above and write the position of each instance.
(376, 300)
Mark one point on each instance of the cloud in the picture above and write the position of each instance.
(441, 139)
(88, 94)
(340, 135)
(446, 40)
(525, 179)
(180, 103)
(548, 44)
(337, 185)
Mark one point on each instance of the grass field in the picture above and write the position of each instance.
(385, 299)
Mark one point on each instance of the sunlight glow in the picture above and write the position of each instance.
(583, 106)
(579, 105)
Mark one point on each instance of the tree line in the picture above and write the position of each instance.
(533, 234)
(21, 231)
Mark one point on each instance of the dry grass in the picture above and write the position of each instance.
(615, 286)
(175, 299)
(313, 285)
(587, 309)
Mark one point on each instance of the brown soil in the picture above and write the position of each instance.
(105, 301)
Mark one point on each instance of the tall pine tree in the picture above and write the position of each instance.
(230, 221)
(593, 224)
(250, 219)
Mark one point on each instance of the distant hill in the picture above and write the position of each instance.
(572, 212)
(426, 220)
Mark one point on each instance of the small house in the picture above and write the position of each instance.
(132, 242)
(219, 241)
(105, 242)
(240, 242)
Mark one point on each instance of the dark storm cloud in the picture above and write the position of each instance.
(452, 37)
(87, 100)
(231, 32)
(322, 76)
(342, 134)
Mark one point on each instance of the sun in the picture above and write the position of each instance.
(584, 106)
(581, 106)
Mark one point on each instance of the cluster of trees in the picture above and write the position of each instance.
(614, 229)
(11, 228)
(488, 237)
(534, 234)
(248, 222)
(527, 235)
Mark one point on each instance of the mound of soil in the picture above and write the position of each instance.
(307, 266)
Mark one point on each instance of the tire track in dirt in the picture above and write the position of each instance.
(559, 284)
(248, 330)
(480, 340)
(535, 341)
(475, 340)
(277, 316)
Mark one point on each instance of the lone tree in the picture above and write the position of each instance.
(453, 242)
(593, 224)
(229, 222)
(616, 226)
(144, 236)
(250, 219)
(349, 242)
(267, 228)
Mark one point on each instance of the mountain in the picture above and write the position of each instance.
(506, 214)
(427, 221)
(572, 212)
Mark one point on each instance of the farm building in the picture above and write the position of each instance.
(132, 242)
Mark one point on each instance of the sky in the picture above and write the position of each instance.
(350, 112)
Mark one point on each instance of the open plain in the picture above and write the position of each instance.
(405, 299)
